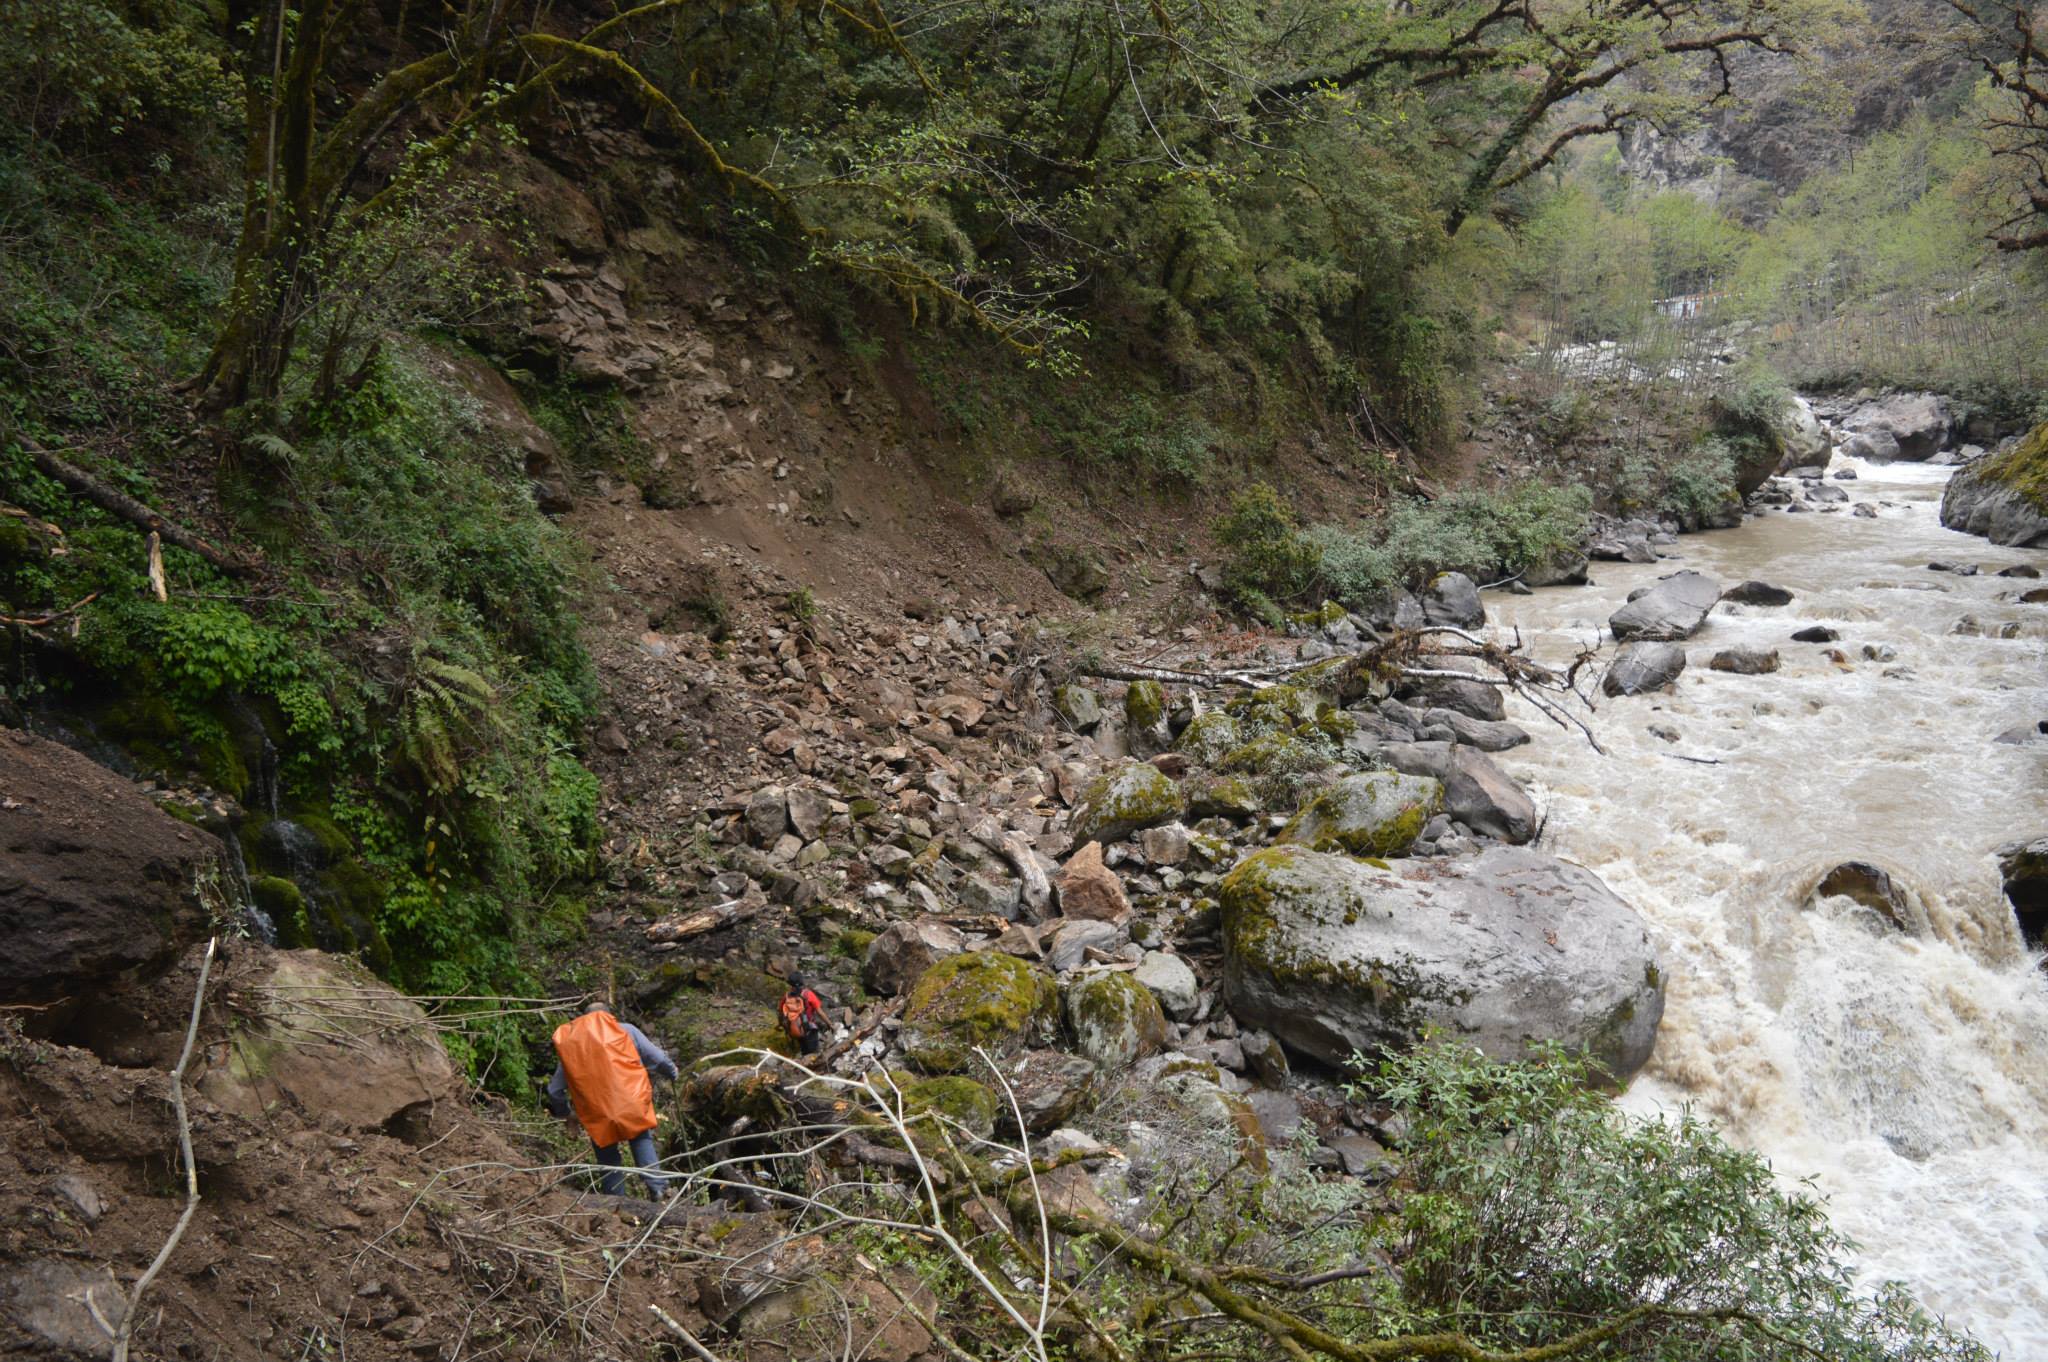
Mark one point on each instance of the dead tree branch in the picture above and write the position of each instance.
(127, 1326)
(118, 503)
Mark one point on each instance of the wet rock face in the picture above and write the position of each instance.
(1872, 887)
(1900, 426)
(1671, 609)
(1639, 668)
(1506, 948)
(95, 880)
(1990, 498)
(2023, 867)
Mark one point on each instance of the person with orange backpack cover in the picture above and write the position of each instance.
(603, 1073)
(803, 1016)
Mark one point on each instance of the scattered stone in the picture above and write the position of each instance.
(1089, 889)
(1639, 668)
(1873, 887)
(1864, 510)
(1050, 1087)
(2024, 734)
(1745, 661)
(1503, 949)
(767, 815)
(1826, 494)
(1452, 599)
(1559, 568)
(1361, 1156)
(1485, 734)
(1264, 1058)
(988, 894)
(1843, 475)
(899, 956)
(1633, 549)
(1959, 569)
(1663, 732)
(1476, 792)
(1135, 796)
(1757, 593)
(1816, 633)
(1374, 814)
(1114, 1019)
(82, 1196)
(2027, 570)
(1474, 699)
(1079, 706)
(1166, 844)
(1672, 609)
(1068, 941)
(1169, 977)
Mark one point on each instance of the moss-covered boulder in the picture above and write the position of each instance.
(2003, 497)
(959, 1100)
(983, 1000)
(1209, 737)
(1338, 956)
(1222, 797)
(1115, 1019)
(1145, 704)
(1377, 814)
(1118, 803)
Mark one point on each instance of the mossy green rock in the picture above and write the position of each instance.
(1135, 796)
(2003, 497)
(1222, 797)
(1115, 1019)
(1209, 737)
(982, 1000)
(1377, 814)
(1337, 956)
(1145, 704)
(960, 1100)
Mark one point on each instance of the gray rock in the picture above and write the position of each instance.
(1135, 796)
(1878, 446)
(2027, 570)
(2023, 867)
(1505, 949)
(1361, 1156)
(1843, 475)
(1672, 609)
(1278, 1114)
(1977, 505)
(1639, 668)
(1745, 661)
(808, 810)
(1050, 1086)
(981, 892)
(1631, 549)
(1165, 845)
(2024, 734)
(1114, 1019)
(899, 956)
(1452, 599)
(1798, 434)
(1477, 793)
(1376, 813)
(1484, 734)
(83, 1197)
(1757, 593)
(1959, 569)
(1816, 633)
(1807, 473)
(1264, 1058)
(1557, 569)
(1169, 977)
(767, 815)
(1079, 706)
(1864, 510)
(1475, 699)
(1068, 941)
(1826, 494)
(1873, 887)
(1912, 426)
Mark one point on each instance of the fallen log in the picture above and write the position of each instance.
(118, 503)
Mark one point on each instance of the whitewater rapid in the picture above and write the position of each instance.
(1905, 1077)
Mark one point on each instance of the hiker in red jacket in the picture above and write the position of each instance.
(803, 1016)
(603, 1073)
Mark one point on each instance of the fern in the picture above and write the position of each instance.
(446, 708)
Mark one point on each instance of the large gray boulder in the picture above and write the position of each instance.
(900, 955)
(1452, 599)
(1506, 949)
(1801, 441)
(1476, 792)
(1135, 796)
(1640, 668)
(1917, 424)
(1475, 699)
(1670, 609)
(1984, 499)
(1485, 734)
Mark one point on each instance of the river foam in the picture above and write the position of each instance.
(1905, 1077)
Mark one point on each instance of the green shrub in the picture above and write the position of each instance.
(1269, 560)
(1537, 1206)
(1482, 533)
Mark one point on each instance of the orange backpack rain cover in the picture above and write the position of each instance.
(608, 1085)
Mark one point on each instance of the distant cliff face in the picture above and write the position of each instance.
(1788, 119)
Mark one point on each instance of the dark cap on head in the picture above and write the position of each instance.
(596, 1005)
(796, 983)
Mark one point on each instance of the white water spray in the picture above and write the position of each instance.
(1907, 1077)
